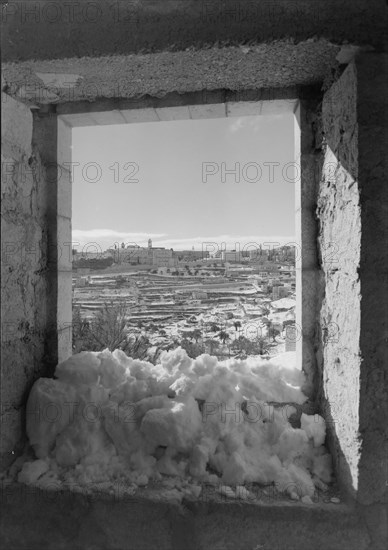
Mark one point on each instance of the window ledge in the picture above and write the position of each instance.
(34, 518)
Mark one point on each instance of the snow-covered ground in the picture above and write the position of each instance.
(107, 417)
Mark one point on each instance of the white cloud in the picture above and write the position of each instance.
(105, 238)
(222, 242)
(237, 124)
(253, 122)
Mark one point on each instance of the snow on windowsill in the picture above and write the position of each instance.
(190, 429)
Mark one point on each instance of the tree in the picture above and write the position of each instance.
(109, 330)
(223, 336)
(258, 346)
(120, 280)
(80, 332)
(213, 345)
(196, 334)
(237, 325)
(262, 345)
(192, 349)
(273, 332)
(240, 344)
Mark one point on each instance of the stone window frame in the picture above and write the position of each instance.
(363, 447)
(197, 106)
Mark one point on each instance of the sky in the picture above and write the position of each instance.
(169, 181)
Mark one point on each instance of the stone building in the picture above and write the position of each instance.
(231, 256)
(162, 257)
(157, 256)
(70, 64)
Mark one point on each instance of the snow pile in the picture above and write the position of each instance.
(108, 417)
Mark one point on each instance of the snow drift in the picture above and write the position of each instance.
(106, 416)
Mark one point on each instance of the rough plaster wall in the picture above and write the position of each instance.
(24, 262)
(353, 214)
(308, 271)
(279, 64)
(372, 109)
(339, 239)
(68, 520)
(49, 29)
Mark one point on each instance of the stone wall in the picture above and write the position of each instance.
(23, 270)
(57, 30)
(339, 239)
(154, 520)
(372, 114)
(307, 268)
(353, 235)
(346, 283)
(36, 260)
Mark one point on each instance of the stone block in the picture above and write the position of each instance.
(309, 278)
(104, 118)
(64, 308)
(64, 343)
(64, 140)
(173, 113)
(16, 126)
(137, 116)
(309, 232)
(246, 108)
(79, 119)
(279, 107)
(12, 433)
(64, 192)
(217, 110)
(64, 242)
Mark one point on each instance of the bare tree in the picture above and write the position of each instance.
(109, 330)
(223, 336)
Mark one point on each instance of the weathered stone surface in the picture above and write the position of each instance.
(373, 169)
(16, 126)
(280, 64)
(61, 519)
(64, 137)
(307, 269)
(352, 209)
(23, 272)
(50, 29)
(95, 70)
(339, 238)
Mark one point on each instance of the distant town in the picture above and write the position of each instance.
(228, 303)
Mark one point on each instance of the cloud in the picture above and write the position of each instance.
(237, 124)
(222, 242)
(253, 122)
(106, 238)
